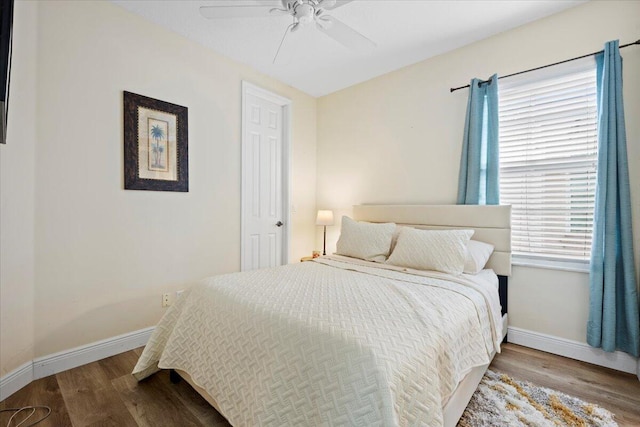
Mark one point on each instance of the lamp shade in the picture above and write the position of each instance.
(324, 218)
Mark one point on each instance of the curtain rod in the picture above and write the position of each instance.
(453, 89)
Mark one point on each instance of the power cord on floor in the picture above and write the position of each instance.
(26, 408)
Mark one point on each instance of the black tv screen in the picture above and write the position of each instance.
(6, 29)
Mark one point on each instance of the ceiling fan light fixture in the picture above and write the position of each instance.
(304, 13)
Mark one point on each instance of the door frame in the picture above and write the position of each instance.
(286, 108)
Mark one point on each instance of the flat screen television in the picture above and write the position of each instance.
(6, 30)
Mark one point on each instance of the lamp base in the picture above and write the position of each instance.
(324, 243)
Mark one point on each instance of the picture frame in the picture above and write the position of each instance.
(6, 46)
(156, 145)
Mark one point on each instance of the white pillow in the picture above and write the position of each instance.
(365, 240)
(394, 238)
(439, 250)
(478, 254)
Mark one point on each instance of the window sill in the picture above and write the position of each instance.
(575, 266)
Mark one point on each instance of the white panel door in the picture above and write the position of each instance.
(262, 189)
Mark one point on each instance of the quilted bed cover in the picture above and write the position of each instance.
(335, 342)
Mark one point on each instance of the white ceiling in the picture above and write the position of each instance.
(406, 32)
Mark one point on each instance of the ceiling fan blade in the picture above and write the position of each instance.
(222, 9)
(279, 12)
(344, 34)
(332, 4)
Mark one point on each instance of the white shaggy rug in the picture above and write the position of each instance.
(502, 401)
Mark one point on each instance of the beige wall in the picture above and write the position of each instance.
(397, 139)
(83, 260)
(17, 190)
(103, 255)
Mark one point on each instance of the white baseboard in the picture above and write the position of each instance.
(15, 380)
(574, 350)
(68, 359)
(52, 364)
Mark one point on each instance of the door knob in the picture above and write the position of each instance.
(279, 224)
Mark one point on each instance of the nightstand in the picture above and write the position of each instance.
(306, 258)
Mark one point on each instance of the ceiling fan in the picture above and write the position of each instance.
(304, 12)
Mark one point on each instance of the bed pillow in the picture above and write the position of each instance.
(439, 250)
(394, 238)
(365, 240)
(478, 254)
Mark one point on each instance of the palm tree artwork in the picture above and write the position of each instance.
(157, 148)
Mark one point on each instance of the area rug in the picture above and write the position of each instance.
(502, 401)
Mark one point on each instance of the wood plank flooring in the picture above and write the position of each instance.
(104, 393)
(613, 390)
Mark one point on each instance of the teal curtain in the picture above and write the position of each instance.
(613, 313)
(479, 164)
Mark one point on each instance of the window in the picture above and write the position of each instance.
(548, 159)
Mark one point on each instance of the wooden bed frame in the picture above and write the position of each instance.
(492, 224)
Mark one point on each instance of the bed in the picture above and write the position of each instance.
(340, 340)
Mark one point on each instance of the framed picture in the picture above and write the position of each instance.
(6, 30)
(156, 150)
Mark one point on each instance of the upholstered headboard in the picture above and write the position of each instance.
(492, 224)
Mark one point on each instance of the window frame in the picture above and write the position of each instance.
(549, 261)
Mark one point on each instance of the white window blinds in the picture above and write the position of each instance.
(548, 158)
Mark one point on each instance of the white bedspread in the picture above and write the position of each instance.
(332, 342)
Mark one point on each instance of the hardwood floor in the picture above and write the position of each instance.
(613, 390)
(104, 393)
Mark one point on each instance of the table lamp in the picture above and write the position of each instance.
(324, 218)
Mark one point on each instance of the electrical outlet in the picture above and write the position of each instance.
(179, 293)
(166, 300)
